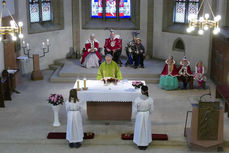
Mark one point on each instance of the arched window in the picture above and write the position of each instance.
(178, 45)
(40, 11)
(184, 8)
(110, 9)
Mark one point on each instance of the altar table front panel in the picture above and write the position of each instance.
(109, 110)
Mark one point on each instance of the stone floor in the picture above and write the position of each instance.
(27, 119)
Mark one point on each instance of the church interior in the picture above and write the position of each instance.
(110, 76)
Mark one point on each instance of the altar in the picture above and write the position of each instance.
(108, 102)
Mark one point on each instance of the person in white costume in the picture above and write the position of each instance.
(74, 133)
(143, 106)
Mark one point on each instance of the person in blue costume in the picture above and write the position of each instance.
(168, 78)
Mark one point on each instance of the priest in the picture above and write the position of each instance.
(109, 69)
(113, 46)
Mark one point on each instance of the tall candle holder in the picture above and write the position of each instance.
(78, 85)
(85, 84)
(36, 74)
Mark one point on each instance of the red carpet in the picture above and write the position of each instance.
(62, 135)
(154, 136)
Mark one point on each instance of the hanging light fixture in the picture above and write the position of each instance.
(15, 30)
(204, 23)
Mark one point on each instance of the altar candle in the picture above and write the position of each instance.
(23, 44)
(78, 84)
(84, 81)
(27, 45)
(48, 42)
(43, 44)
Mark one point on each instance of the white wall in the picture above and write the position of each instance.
(126, 35)
(61, 40)
(196, 47)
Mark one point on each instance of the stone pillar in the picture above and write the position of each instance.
(36, 74)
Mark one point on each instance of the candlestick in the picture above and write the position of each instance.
(85, 86)
(78, 85)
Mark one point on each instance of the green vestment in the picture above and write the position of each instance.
(109, 70)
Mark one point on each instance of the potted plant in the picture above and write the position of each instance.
(56, 100)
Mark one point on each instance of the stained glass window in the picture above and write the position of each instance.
(124, 9)
(184, 8)
(193, 8)
(40, 10)
(34, 11)
(111, 9)
(46, 10)
(96, 8)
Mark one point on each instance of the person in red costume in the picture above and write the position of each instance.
(168, 78)
(113, 46)
(91, 56)
(185, 72)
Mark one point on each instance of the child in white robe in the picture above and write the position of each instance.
(74, 133)
(143, 106)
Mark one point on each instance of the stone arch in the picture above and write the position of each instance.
(179, 45)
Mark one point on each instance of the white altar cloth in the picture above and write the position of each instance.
(97, 91)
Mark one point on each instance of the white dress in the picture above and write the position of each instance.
(91, 60)
(143, 106)
(74, 131)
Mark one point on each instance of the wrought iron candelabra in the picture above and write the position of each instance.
(36, 74)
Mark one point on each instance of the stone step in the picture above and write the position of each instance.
(53, 66)
(56, 78)
(125, 75)
(60, 62)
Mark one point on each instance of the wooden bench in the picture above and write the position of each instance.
(2, 104)
(222, 91)
(6, 85)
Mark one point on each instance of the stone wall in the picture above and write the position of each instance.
(61, 40)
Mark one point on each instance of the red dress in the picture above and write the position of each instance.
(166, 72)
(88, 48)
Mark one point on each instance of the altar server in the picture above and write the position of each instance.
(74, 133)
(109, 68)
(143, 106)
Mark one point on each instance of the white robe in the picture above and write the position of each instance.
(74, 131)
(143, 106)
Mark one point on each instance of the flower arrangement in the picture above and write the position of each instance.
(56, 99)
(137, 84)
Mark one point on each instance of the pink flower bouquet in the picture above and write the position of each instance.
(137, 84)
(56, 99)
